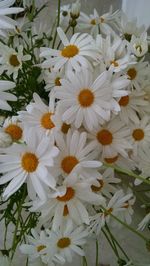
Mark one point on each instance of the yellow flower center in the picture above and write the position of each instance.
(93, 21)
(70, 51)
(132, 73)
(98, 188)
(14, 131)
(111, 159)
(64, 242)
(115, 63)
(57, 81)
(124, 101)
(105, 137)
(108, 212)
(64, 128)
(13, 60)
(46, 121)
(70, 192)
(39, 248)
(68, 163)
(86, 98)
(66, 211)
(29, 162)
(138, 134)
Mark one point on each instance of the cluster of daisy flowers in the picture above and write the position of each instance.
(81, 147)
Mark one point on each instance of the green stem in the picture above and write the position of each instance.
(130, 228)
(15, 242)
(97, 255)
(110, 243)
(112, 239)
(85, 261)
(129, 173)
(58, 21)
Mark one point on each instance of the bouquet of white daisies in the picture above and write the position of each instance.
(74, 134)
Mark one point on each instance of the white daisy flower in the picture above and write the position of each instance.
(29, 163)
(137, 73)
(11, 60)
(143, 164)
(120, 161)
(65, 15)
(6, 96)
(129, 28)
(75, 54)
(105, 183)
(37, 117)
(76, 156)
(67, 241)
(139, 46)
(83, 101)
(13, 128)
(5, 9)
(131, 105)
(140, 134)
(58, 122)
(144, 222)
(114, 207)
(96, 23)
(52, 79)
(111, 139)
(70, 201)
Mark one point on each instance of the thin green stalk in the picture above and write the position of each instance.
(97, 253)
(130, 228)
(129, 173)
(112, 239)
(84, 261)
(117, 243)
(58, 21)
(110, 243)
(14, 244)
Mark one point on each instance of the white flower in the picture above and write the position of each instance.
(67, 241)
(76, 156)
(111, 139)
(96, 23)
(65, 15)
(52, 79)
(4, 260)
(5, 9)
(6, 96)
(75, 54)
(140, 134)
(143, 164)
(75, 9)
(115, 206)
(139, 46)
(13, 128)
(29, 163)
(70, 202)
(144, 222)
(11, 60)
(83, 101)
(131, 105)
(37, 117)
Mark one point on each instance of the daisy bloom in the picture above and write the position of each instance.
(29, 163)
(137, 73)
(139, 46)
(144, 222)
(75, 156)
(52, 79)
(67, 242)
(96, 23)
(83, 101)
(114, 207)
(12, 126)
(37, 117)
(111, 139)
(5, 9)
(69, 201)
(74, 55)
(105, 183)
(131, 105)
(6, 96)
(140, 134)
(11, 60)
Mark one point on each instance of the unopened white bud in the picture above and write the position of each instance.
(5, 139)
(75, 9)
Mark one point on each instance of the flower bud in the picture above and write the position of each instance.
(75, 10)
